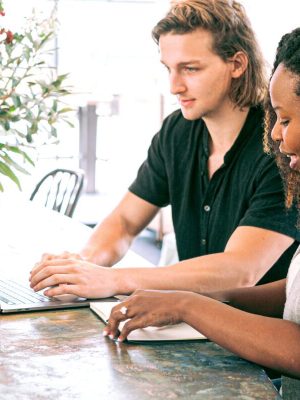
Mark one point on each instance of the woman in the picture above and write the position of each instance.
(262, 323)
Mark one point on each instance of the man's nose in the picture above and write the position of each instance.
(177, 84)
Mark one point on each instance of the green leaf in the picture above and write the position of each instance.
(28, 136)
(5, 170)
(53, 131)
(9, 161)
(65, 110)
(69, 123)
(15, 149)
(16, 100)
(46, 38)
(26, 53)
(54, 105)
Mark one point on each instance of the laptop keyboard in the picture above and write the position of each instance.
(13, 293)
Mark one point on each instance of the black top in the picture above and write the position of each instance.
(246, 190)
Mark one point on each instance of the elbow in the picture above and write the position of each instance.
(293, 365)
(247, 279)
(292, 370)
(251, 273)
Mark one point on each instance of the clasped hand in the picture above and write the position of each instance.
(69, 273)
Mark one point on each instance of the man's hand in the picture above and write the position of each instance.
(146, 308)
(72, 276)
(64, 255)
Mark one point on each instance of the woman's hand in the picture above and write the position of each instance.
(147, 308)
(72, 276)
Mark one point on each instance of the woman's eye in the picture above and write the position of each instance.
(284, 122)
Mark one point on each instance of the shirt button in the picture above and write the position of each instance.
(203, 242)
(206, 208)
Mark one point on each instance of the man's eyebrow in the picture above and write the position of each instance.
(183, 63)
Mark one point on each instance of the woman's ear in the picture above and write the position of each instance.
(239, 64)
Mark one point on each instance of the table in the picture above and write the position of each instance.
(62, 354)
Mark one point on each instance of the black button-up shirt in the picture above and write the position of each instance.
(246, 190)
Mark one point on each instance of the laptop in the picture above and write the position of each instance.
(16, 297)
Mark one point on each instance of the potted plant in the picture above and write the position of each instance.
(31, 93)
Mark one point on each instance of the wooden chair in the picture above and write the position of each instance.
(59, 190)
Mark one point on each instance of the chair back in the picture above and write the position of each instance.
(59, 190)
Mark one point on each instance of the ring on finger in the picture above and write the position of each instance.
(123, 310)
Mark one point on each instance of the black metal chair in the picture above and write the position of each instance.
(59, 190)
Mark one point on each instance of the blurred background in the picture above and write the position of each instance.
(120, 89)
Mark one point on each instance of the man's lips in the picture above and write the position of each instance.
(186, 102)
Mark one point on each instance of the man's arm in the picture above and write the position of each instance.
(250, 252)
(112, 237)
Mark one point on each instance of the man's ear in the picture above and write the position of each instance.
(239, 64)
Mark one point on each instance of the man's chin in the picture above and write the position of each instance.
(190, 116)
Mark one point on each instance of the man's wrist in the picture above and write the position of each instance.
(101, 258)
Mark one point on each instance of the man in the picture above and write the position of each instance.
(207, 162)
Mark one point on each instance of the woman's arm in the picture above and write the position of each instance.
(265, 299)
(267, 341)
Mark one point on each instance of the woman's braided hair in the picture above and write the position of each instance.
(288, 54)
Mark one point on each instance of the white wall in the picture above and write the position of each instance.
(270, 20)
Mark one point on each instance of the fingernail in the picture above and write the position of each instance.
(120, 339)
(111, 337)
(105, 333)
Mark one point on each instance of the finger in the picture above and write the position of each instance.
(53, 276)
(63, 288)
(45, 267)
(132, 325)
(46, 257)
(67, 254)
(116, 316)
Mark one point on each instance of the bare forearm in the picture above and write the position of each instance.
(108, 243)
(267, 300)
(271, 342)
(112, 237)
(202, 274)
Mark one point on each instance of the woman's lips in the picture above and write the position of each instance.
(293, 161)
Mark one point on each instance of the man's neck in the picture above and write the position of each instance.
(225, 128)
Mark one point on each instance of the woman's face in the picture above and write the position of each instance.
(286, 105)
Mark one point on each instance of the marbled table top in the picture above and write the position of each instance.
(62, 355)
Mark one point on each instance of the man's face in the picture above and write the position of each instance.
(199, 78)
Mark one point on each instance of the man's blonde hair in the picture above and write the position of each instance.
(232, 32)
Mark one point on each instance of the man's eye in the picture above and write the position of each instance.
(191, 69)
